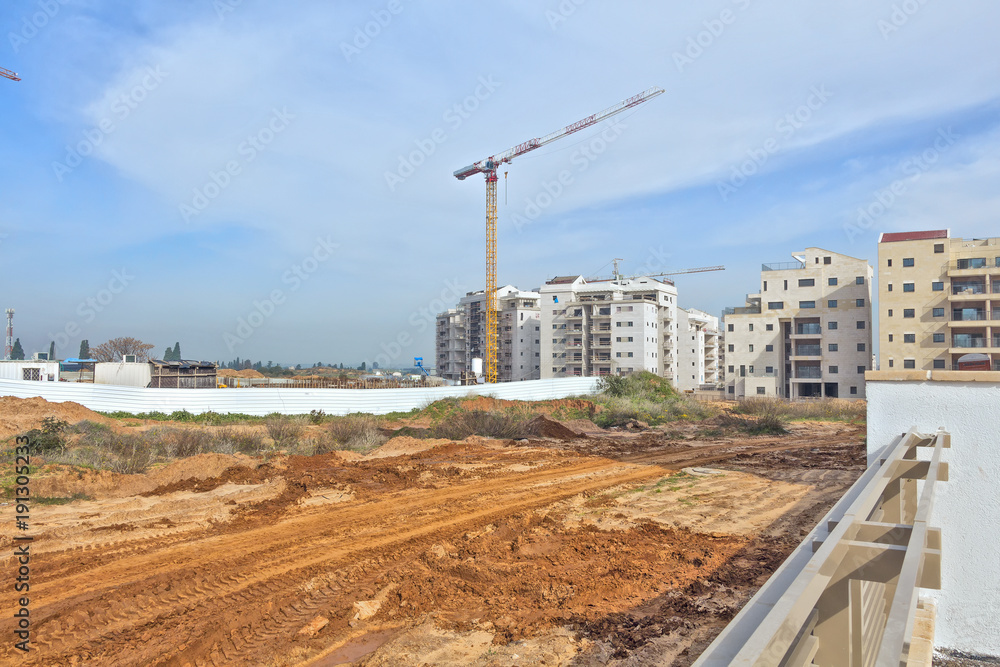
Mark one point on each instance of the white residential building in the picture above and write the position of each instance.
(698, 342)
(461, 335)
(605, 327)
(806, 334)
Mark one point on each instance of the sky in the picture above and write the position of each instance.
(274, 180)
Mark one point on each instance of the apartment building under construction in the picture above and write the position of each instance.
(461, 335)
(939, 302)
(806, 333)
(698, 350)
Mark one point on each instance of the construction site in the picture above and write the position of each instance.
(567, 544)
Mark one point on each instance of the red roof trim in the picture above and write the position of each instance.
(890, 237)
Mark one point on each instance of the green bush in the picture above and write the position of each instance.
(49, 438)
(506, 424)
(283, 430)
(359, 433)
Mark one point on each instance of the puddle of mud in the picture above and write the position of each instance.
(356, 648)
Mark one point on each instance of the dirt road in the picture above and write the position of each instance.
(471, 547)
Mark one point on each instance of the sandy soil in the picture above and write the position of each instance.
(614, 548)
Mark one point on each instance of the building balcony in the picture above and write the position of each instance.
(808, 329)
(574, 315)
(599, 359)
(600, 328)
(601, 343)
(807, 373)
(782, 266)
(808, 351)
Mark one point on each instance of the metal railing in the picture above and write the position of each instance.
(808, 350)
(968, 288)
(808, 329)
(848, 594)
(968, 314)
(966, 340)
(782, 266)
(809, 372)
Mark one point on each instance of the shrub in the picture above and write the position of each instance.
(358, 433)
(508, 424)
(317, 416)
(48, 438)
(767, 423)
(243, 440)
(283, 430)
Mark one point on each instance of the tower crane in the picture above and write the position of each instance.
(488, 167)
(6, 73)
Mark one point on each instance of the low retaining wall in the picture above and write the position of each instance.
(110, 398)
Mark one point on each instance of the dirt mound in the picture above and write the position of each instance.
(23, 414)
(540, 407)
(245, 373)
(404, 445)
(543, 427)
(101, 484)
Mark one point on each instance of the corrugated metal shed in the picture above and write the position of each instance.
(109, 398)
(29, 370)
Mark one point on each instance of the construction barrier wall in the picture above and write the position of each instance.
(109, 398)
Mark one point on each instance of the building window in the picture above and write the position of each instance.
(890, 338)
(760, 390)
(786, 284)
(769, 369)
(751, 327)
(730, 328)
(861, 324)
(832, 282)
(831, 325)
(827, 260)
(775, 305)
(834, 347)
(939, 363)
(860, 280)
(630, 354)
(939, 338)
(939, 247)
(732, 348)
(751, 347)
(807, 304)
(907, 261)
(732, 389)
(834, 370)
(832, 303)
(861, 347)
(888, 262)
(750, 369)
(908, 287)
(732, 369)
(769, 327)
(860, 303)
(769, 348)
(765, 285)
(888, 287)
(938, 312)
(972, 263)
(861, 369)
(889, 313)
(909, 363)
(854, 390)
(890, 363)
(807, 282)
(909, 338)
(618, 354)
(909, 312)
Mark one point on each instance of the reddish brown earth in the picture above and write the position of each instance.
(613, 548)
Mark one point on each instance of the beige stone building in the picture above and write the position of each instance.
(605, 327)
(807, 332)
(939, 302)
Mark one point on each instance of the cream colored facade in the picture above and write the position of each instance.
(939, 302)
(607, 327)
(807, 333)
(698, 343)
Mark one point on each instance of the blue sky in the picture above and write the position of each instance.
(268, 181)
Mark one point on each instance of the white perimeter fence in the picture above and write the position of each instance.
(111, 398)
